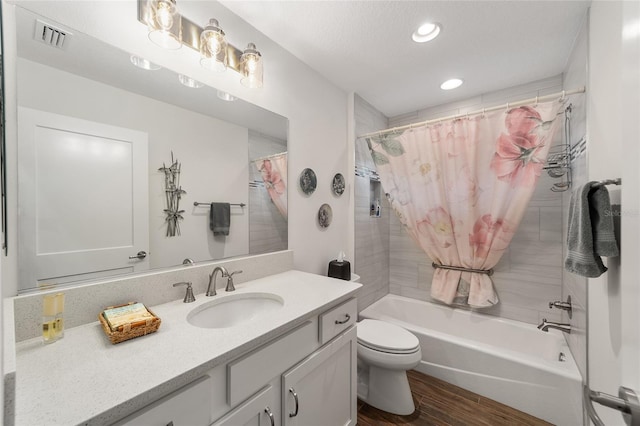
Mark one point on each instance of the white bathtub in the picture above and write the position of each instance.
(504, 360)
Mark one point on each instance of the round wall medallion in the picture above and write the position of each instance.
(338, 184)
(308, 181)
(325, 215)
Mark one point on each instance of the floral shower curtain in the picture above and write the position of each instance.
(274, 176)
(461, 187)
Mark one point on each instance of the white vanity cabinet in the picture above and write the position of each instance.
(262, 409)
(305, 377)
(186, 406)
(316, 360)
(321, 389)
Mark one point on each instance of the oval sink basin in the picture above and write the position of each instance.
(233, 310)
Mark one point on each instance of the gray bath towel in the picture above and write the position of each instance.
(590, 232)
(220, 218)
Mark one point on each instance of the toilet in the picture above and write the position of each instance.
(385, 353)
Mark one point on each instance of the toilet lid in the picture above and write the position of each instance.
(386, 337)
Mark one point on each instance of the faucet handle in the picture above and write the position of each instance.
(230, 286)
(188, 297)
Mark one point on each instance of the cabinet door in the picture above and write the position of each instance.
(321, 390)
(188, 406)
(259, 410)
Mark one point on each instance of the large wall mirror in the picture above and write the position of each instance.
(94, 132)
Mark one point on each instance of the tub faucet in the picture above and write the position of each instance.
(546, 325)
(211, 289)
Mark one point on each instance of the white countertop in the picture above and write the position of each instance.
(84, 379)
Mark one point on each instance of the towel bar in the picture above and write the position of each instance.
(617, 181)
(195, 203)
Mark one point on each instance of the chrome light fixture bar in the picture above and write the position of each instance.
(191, 35)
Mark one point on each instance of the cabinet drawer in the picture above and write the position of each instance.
(250, 372)
(186, 406)
(338, 319)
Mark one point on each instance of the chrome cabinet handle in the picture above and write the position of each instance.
(295, 397)
(140, 255)
(270, 414)
(346, 320)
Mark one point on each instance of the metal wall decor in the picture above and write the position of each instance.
(338, 184)
(308, 181)
(173, 193)
(325, 216)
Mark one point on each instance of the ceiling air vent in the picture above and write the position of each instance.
(50, 35)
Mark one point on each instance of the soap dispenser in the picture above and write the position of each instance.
(53, 317)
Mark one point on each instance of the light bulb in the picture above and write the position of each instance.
(251, 64)
(164, 16)
(213, 47)
(214, 44)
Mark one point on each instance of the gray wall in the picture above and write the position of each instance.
(371, 233)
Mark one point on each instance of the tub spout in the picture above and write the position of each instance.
(546, 325)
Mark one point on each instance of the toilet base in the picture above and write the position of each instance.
(386, 390)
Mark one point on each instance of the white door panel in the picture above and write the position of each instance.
(83, 198)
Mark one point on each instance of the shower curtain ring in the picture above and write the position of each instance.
(507, 106)
(536, 104)
(483, 110)
(563, 96)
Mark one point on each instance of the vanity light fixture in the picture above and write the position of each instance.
(451, 84)
(213, 47)
(167, 28)
(251, 67)
(164, 24)
(143, 63)
(426, 32)
(189, 82)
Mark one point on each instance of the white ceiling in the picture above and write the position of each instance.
(366, 46)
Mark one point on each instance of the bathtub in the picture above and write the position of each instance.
(508, 361)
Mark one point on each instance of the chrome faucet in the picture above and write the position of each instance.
(230, 286)
(188, 297)
(211, 290)
(565, 306)
(546, 325)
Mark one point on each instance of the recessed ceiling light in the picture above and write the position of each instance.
(225, 96)
(426, 32)
(189, 82)
(451, 84)
(143, 63)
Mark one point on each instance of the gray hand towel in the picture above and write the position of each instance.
(220, 218)
(590, 232)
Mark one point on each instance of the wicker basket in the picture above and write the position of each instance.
(129, 331)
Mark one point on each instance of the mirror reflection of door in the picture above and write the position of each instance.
(83, 197)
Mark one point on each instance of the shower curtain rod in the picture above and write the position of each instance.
(562, 95)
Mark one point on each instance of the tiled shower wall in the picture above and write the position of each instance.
(372, 233)
(529, 275)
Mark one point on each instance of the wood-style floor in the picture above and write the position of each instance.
(440, 403)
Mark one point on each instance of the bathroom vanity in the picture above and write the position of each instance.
(291, 365)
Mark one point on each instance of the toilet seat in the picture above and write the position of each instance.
(385, 337)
